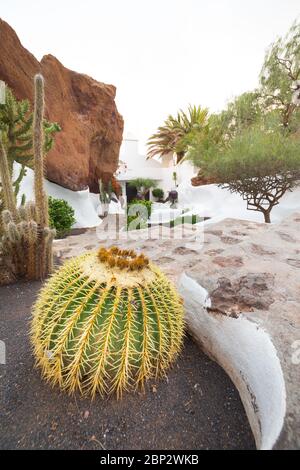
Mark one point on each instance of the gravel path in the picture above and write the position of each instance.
(197, 407)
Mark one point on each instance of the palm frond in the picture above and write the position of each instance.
(170, 138)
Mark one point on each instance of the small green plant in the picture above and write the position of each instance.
(185, 219)
(142, 185)
(106, 322)
(61, 216)
(138, 213)
(106, 195)
(158, 193)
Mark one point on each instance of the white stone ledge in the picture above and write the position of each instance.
(246, 352)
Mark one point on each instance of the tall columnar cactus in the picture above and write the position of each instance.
(41, 201)
(26, 240)
(44, 261)
(106, 322)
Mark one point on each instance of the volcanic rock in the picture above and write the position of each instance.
(88, 146)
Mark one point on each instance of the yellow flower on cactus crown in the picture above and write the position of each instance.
(105, 322)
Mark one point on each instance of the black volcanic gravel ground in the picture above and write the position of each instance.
(197, 407)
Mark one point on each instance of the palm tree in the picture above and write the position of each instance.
(172, 137)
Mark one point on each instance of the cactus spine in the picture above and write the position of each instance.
(105, 322)
(26, 244)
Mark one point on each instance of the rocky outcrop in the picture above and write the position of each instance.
(88, 146)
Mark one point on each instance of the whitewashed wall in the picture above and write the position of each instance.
(137, 166)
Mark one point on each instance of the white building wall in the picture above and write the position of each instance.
(134, 165)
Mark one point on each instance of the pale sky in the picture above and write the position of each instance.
(160, 54)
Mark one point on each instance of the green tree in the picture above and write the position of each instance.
(279, 75)
(174, 136)
(243, 112)
(260, 165)
(142, 186)
(240, 114)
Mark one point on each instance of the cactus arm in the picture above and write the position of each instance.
(16, 184)
(7, 188)
(22, 173)
(38, 137)
(32, 237)
(23, 199)
(44, 248)
(49, 235)
(22, 133)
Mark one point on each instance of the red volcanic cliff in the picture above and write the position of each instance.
(88, 146)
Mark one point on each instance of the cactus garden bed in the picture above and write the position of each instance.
(196, 407)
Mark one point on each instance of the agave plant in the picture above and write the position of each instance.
(105, 322)
(172, 136)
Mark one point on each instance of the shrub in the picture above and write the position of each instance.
(158, 193)
(142, 186)
(259, 165)
(61, 216)
(106, 322)
(186, 219)
(138, 211)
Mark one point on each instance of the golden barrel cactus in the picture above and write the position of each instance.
(105, 322)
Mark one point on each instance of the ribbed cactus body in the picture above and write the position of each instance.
(102, 329)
